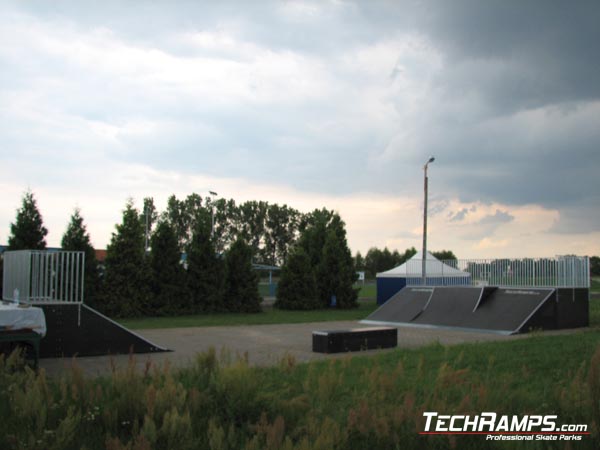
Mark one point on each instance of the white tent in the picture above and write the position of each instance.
(413, 268)
(411, 273)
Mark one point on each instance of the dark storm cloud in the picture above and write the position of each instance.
(514, 59)
(550, 158)
(516, 104)
(506, 96)
(504, 60)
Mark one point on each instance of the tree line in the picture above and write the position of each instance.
(142, 282)
(595, 266)
(143, 272)
(269, 229)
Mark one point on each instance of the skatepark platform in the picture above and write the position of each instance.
(78, 330)
(496, 309)
(355, 339)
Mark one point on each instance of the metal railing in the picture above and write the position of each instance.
(562, 271)
(36, 276)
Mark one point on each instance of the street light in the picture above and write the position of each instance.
(424, 256)
(146, 230)
(212, 214)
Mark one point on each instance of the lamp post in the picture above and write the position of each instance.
(424, 256)
(212, 214)
(146, 230)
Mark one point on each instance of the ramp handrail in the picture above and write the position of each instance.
(558, 272)
(41, 276)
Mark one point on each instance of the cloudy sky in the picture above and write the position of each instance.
(326, 103)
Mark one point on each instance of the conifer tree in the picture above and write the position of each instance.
(297, 288)
(76, 238)
(336, 270)
(205, 269)
(126, 290)
(359, 262)
(170, 294)
(313, 236)
(28, 232)
(242, 280)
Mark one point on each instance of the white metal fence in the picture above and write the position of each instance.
(562, 271)
(35, 276)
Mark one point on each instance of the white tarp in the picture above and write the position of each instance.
(14, 317)
(413, 268)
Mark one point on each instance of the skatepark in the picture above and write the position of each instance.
(443, 309)
(261, 345)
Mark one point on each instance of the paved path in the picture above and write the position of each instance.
(263, 344)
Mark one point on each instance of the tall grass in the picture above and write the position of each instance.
(220, 402)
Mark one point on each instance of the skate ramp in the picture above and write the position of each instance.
(450, 307)
(493, 309)
(404, 306)
(78, 330)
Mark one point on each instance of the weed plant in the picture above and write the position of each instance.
(354, 402)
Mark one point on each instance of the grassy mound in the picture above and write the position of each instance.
(350, 403)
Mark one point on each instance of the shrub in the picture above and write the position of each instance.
(242, 280)
(205, 269)
(170, 293)
(297, 288)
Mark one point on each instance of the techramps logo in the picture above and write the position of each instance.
(503, 427)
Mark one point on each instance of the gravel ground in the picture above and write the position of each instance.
(261, 344)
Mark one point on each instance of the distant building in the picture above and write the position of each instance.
(100, 255)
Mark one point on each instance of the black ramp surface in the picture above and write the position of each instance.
(507, 309)
(95, 334)
(495, 309)
(402, 307)
(573, 307)
(450, 307)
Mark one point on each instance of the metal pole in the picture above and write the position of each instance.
(424, 256)
(212, 220)
(212, 213)
(146, 231)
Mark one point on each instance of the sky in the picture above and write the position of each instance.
(334, 104)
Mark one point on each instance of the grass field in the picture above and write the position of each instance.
(268, 316)
(367, 290)
(359, 402)
(273, 316)
(595, 312)
(356, 402)
(595, 285)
